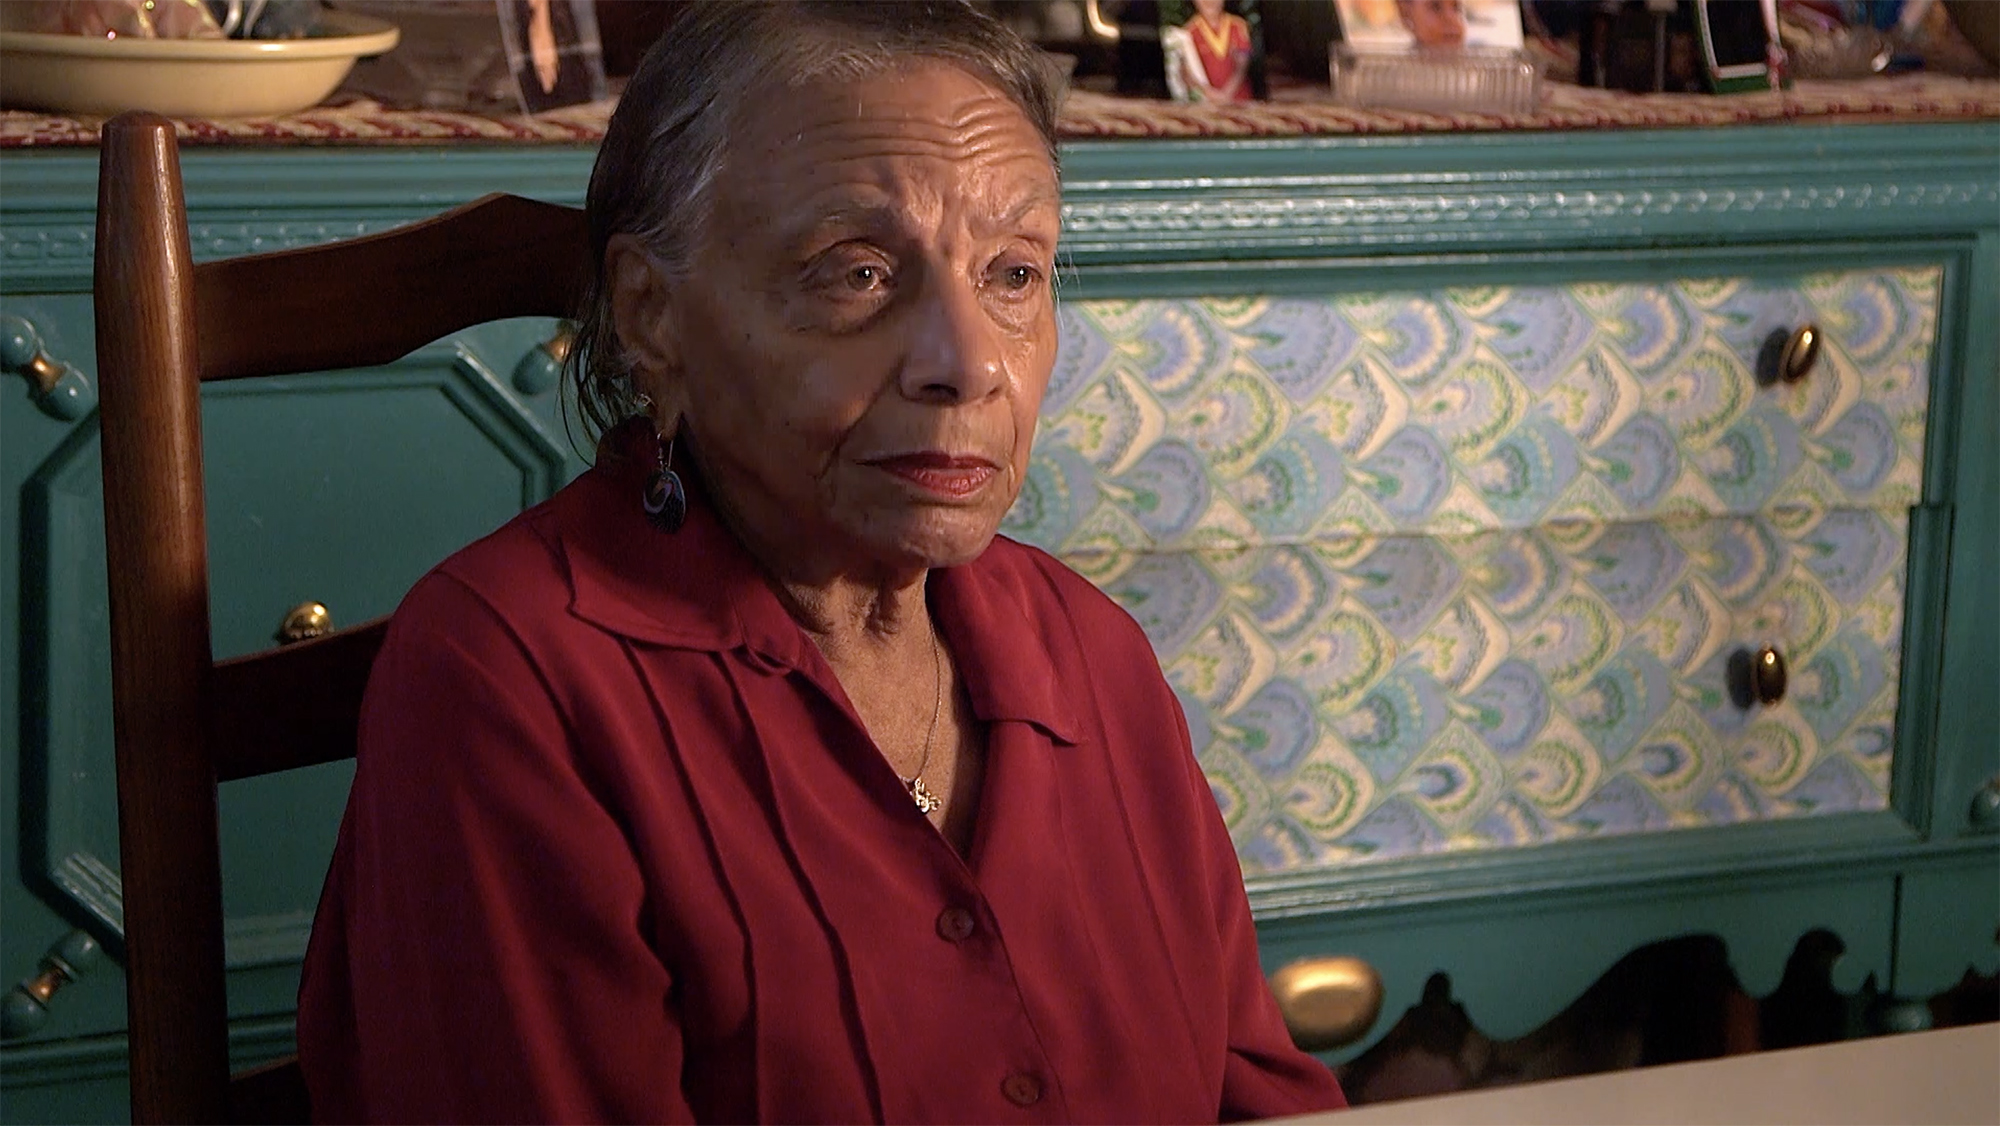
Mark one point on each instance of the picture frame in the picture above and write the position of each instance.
(1436, 56)
(1735, 42)
(553, 52)
(1408, 25)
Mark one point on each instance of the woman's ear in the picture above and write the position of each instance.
(642, 310)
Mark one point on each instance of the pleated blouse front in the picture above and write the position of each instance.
(619, 849)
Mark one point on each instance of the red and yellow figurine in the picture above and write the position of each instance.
(1209, 57)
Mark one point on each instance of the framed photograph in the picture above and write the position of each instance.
(1213, 50)
(1404, 25)
(553, 52)
(1735, 45)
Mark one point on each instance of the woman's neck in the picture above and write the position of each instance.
(859, 621)
(852, 609)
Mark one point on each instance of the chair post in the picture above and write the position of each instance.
(157, 551)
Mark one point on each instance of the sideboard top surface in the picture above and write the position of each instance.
(1296, 110)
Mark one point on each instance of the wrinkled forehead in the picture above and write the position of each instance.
(918, 111)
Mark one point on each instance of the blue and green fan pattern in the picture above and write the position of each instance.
(1463, 569)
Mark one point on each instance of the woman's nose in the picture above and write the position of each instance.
(956, 353)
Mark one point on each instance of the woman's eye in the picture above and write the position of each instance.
(847, 272)
(1019, 278)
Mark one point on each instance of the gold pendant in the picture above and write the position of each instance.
(927, 802)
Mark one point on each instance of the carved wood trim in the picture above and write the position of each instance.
(1672, 1001)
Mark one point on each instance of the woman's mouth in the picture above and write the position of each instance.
(943, 474)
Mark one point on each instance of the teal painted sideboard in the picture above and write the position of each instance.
(1439, 470)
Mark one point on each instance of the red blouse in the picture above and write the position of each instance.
(619, 849)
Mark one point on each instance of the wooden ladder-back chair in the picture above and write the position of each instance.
(183, 722)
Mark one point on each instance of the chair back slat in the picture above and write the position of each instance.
(291, 707)
(373, 300)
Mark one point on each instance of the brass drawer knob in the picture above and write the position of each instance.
(1767, 675)
(1328, 1002)
(61, 391)
(1985, 813)
(1788, 357)
(26, 1007)
(306, 621)
(541, 368)
(1756, 678)
(1800, 353)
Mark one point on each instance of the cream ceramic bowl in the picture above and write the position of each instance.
(185, 77)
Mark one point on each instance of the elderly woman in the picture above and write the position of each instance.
(751, 777)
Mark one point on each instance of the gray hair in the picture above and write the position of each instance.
(716, 63)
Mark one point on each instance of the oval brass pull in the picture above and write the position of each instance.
(306, 621)
(1755, 678)
(1767, 675)
(61, 391)
(1328, 1002)
(541, 368)
(26, 1007)
(1788, 356)
(1801, 351)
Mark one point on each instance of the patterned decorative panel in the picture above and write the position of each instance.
(1466, 568)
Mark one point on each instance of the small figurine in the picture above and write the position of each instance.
(1211, 56)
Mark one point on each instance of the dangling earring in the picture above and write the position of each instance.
(665, 500)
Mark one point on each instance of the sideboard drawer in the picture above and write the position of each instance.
(1373, 697)
(1174, 423)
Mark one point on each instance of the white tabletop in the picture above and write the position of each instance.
(1947, 1076)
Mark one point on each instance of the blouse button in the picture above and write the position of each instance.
(956, 924)
(1022, 1089)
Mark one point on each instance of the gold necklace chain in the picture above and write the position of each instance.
(928, 802)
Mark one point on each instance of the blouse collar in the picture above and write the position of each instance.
(699, 589)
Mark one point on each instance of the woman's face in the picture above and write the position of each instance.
(860, 352)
